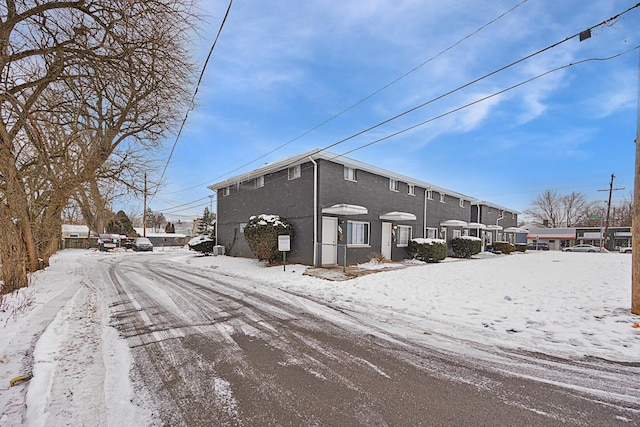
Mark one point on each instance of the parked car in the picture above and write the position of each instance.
(108, 241)
(625, 250)
(537, 247)
(583, 248)
(142, 244)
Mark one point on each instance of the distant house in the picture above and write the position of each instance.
(341, 207)
(559, 238)
(160, 239)
(75, 237)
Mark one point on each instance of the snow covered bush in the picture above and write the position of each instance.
(261, 233)
(427, 250)
(202, 244)
(466, 246)
(504, 247)
(521, 247)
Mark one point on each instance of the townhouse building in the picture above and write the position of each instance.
(342, 208)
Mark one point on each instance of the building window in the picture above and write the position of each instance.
(260, 181)
(350, 174)
(226, 191)
(294, 172)
(242, 226)
(432, 233)
(430, 196)
(74, 235)
(513, 215)
(404, 235)
(441, 197)
(394, 185)
(411, 190)
(462, 203)
(357, 233)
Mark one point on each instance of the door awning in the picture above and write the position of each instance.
(515, 230)
(476, 225)
(453, 223)
(398, 216)
(345, 209)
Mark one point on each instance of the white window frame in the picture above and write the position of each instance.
(394, 185)
(259, 183)
(432, 233)
(242, 226)
(429, 194)
(350, 174)
(294, 172)
(462, 203)
(513, 215)
(442, 199)
(411, 189)
(362, 235)
(405, 233)
(456, 233)
(226, 191)
(443, 233)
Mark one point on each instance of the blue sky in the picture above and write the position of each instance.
(279, 70)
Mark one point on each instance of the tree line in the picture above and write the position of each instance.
(553, 209)
(90, 88)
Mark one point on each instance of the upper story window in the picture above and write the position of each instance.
(441, 197)
(513, 215)
(294, 172)
(259, 182)
(462, 203)
(226, 191)
(394, 185)
(411, 190)
(430, 196)
(350, 174)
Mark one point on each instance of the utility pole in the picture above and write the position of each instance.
(606, 221)
(144, 212)
(635, 224)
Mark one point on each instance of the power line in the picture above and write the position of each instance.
(477, 101)
(362, 100)
(605, 23)
(184, 121)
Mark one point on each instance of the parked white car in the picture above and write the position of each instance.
(584, 248)
(625, 250)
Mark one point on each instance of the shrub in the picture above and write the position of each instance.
(427, 250)
(465, 247)
(521, 247)
(261, 233)
(376, 256)
(504, 247)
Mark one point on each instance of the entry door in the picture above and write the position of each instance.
(329, 240)
(386, 240)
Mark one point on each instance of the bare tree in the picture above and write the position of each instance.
(576, 206)
(556, 210)
(86, 86)
(547, 209)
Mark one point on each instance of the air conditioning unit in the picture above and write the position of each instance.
(218, 250)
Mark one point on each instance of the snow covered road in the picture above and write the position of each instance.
(177, 339)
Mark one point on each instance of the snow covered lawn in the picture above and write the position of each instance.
(571, 305)
(563, 304)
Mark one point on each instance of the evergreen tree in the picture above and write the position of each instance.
(121, 224)
(205, 224)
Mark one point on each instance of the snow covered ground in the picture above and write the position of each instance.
(569, 305)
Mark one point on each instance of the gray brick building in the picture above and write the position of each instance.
(338, 204)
